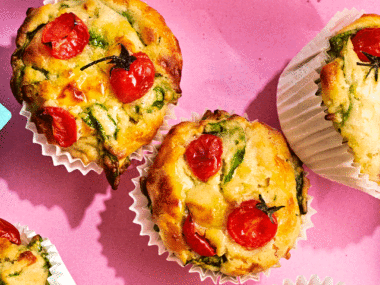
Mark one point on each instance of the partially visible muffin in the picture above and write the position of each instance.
(19, 263)
(97, 76)
(351, 90)
(227, 194)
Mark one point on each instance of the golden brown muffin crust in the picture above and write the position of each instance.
(44, 81)
(173, 193)
(365, 21)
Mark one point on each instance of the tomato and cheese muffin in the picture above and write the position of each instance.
(97, 76)
(351, 90)
(21, 264)
(227, 194)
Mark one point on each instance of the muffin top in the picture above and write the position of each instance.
(227, 194)
(351, 90)
(25, 264)
(98, 76)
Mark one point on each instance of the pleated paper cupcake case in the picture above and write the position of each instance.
(59, 273)
(302, 115)
(314, 280)
(144, 219)
(62, 157)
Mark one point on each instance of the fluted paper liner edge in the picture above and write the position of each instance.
(62, 157)
(314, 280)
(60, 274)
(144, 219)
(302, 118)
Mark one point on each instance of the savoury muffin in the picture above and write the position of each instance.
(97, 76)
(226, 194)
(21, 264)
(351, 91)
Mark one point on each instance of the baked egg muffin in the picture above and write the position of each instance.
(97, 77)
(351, 91)
(19, 263)
(226, 194)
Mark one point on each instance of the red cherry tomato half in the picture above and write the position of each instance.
(8, 231)
(251, 227)
(66, 36)
(196, 242)
(204, 156)
(130, 85)
(367, 40)
(63, 124)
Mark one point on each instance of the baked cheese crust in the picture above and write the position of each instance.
(23, 264)
(268, 169)
(352, 96)
(44, 81)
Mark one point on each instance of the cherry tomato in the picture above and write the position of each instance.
(63, 124)
(8, 231)
(204, 156)
(131, 76)
(251, 227)
(367, 40)
(66, 36)
(130, 85)
(197, 243)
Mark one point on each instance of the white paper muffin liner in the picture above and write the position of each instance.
(62, 157)
(314, 280)
(144, 219)
(302, 118)
(60, 274)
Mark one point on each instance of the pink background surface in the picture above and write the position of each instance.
(234, 52)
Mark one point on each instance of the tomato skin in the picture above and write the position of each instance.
(130, 85)
(8, 231)
(196, 242)
(251, 227)
(66, 36)
(367, 40)
(63, 124)
(204, 156)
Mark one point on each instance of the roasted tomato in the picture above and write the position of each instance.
(8, 231)
(367, 40)
(251, 227)
(63, 125)
(130, 85)
(204, 156)
(197, 243)
(131, 77)
(66, 36)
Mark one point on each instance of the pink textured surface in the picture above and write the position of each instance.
(234, 52)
